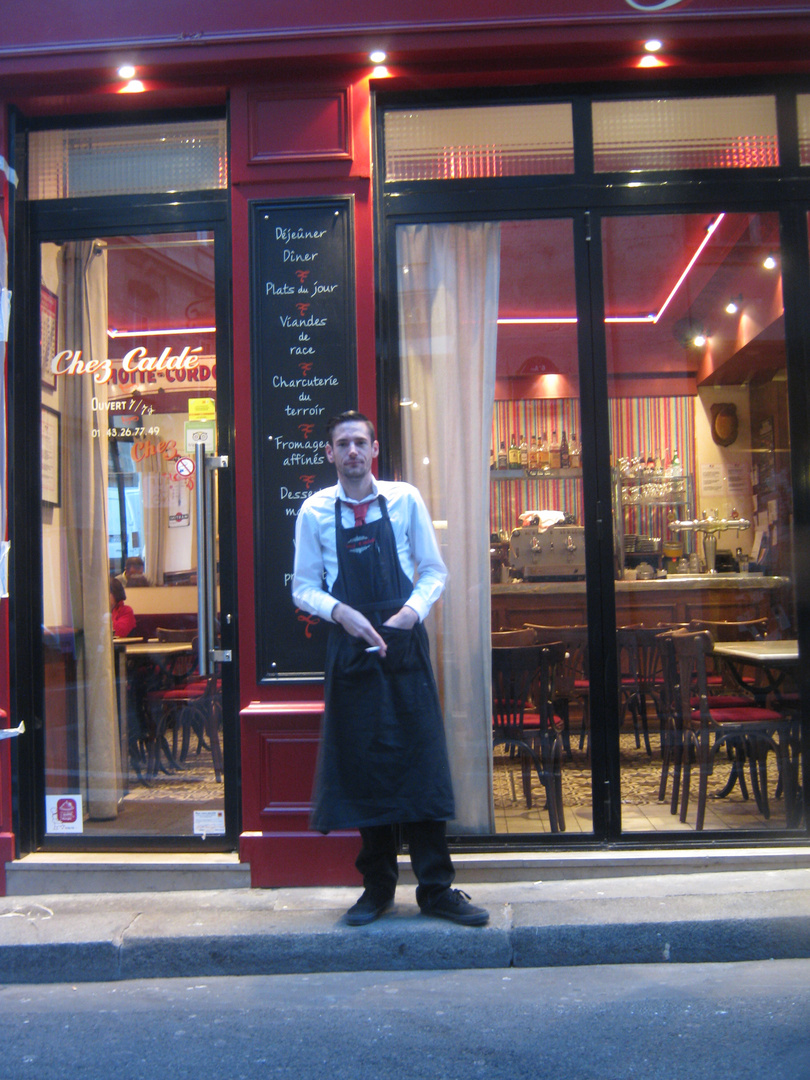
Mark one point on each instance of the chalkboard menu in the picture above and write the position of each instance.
(304, 372)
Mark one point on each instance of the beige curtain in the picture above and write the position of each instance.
(448, 278)
(154, 497)
(83, 306)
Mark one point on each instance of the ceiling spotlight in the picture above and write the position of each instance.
(126, 72)
(377, 57)
(734, 305)
(769, 262)
(653, 45)
(699, 340)
(134, 86)
(650, 61)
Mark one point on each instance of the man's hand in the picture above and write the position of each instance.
(404, 619)
(355, 623)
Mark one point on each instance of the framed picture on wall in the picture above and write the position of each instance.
(51, 457)
(48, 316)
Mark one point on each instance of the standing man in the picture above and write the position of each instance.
(383, 757)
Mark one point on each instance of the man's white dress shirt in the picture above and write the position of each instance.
(316, 565)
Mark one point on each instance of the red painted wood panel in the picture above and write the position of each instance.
(279, 751)
(299, 125)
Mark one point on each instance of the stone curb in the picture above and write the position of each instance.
(108, 937)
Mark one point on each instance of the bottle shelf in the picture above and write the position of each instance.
(535, 474)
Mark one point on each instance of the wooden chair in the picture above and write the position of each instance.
(641, 678)
(186, 702)
(531, 732)
(705, 729)
(571, 682)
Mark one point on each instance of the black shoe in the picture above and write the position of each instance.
(368, 908)
(453, 904)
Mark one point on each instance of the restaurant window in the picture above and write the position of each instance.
(490, 419)
(705, 591)
(174, 156)
(498, 320)
(685, 133)
(803, 109)
(496, 140)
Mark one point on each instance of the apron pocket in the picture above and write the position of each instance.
(403, 649)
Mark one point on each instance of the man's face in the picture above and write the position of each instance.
(352, 450)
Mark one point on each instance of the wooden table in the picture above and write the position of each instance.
(776, 658)
(129, 721)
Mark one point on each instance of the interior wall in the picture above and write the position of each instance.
(723, 482)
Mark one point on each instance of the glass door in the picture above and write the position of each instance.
(703, 510)
(132, 732)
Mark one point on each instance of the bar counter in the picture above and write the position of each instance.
(674, 599)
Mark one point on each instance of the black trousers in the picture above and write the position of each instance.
(430, 859)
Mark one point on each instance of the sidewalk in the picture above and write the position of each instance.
(677, 918)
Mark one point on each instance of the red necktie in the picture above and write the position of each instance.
(360, 511)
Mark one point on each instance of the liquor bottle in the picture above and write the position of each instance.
(554, 452)
(503, 460)
(575, 452)
(514, 453)
(524, 452)
(565, 460)
(534, 455)
(543, 456)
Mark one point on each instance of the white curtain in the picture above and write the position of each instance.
(83, 305)
(448, 278)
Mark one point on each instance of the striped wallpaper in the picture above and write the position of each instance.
(638, 426)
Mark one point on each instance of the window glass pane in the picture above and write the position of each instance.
(492, 140)
(688, 133)
(131, 730)
(703, 512)
(490, 424)
(803, 106)
(122, 160)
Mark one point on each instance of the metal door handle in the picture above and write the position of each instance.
(206, 560)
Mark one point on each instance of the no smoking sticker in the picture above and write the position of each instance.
(184, 466)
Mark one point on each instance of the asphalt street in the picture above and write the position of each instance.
(634, 1022)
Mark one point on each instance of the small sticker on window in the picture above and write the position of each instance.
(209, 822)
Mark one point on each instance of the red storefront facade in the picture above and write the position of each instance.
(300, 93)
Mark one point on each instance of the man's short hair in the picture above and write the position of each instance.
(351, 416)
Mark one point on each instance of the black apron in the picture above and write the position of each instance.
(383, 755)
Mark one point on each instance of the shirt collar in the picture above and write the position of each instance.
(341, 494)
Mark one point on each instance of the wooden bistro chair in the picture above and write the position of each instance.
(526, 726)
(641, 679)
(186, 703)
(705, 728)
(572, 685)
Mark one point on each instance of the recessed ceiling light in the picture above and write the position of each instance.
(126, 72)
(377, 57)
(769, 262)
(699, 340)
(732, 307)
(653, 45)
(650, 61)
(134, 86)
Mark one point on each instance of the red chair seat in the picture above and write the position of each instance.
(747, 715)
(725, 701)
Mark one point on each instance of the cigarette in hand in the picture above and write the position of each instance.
(373, 648)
